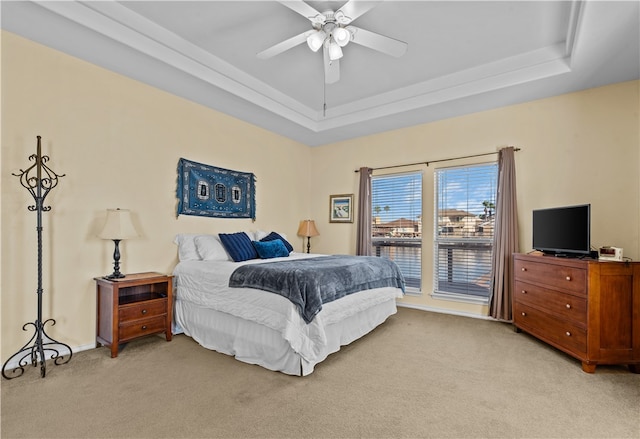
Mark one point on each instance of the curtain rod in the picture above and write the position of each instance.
(437, 161)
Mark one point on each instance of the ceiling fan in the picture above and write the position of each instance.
(331, 31)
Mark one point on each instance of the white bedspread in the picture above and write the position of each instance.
(206, 283)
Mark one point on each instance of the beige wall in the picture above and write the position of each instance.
(118, 142)
(576, 148)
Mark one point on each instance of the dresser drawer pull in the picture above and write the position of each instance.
(524, 314)
(568, 277)
(568, 334)
(524, 269)
(524, 291)
(144, 327)
(144, 311)
(568, 306)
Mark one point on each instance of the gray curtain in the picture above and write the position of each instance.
(363, 240)
(505, 237)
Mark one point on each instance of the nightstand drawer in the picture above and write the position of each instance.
(142, 310)
(139, 328)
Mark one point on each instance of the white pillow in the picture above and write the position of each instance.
(187, 247)
(261, 234)
(210, 248)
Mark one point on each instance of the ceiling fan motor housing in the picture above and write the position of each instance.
(333, 24)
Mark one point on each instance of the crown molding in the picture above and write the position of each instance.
(125, 26)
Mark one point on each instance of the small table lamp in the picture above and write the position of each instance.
(117, 227)
(308, 229)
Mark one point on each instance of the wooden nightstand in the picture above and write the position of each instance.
(132, 307)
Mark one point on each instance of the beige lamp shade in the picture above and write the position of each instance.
(307, 228)
(118, 225)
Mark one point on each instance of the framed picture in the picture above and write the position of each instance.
(341, 208)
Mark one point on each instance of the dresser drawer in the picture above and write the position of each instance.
(541, 324)
(565, 278)
(564, 306)
(142, 310)
(140, 328)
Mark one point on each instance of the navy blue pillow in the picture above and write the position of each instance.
(238, 245)
(271, 249)
(273, 236)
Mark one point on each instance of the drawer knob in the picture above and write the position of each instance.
(568, 306)
(144, 327)
(568, 334)
(144, 311)
(524, 269)
(568, 277)
(524, 314)
(524, 291)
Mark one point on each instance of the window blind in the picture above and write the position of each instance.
(464, 226)
(396, 223)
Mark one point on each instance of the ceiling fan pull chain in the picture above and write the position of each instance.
(324, 99)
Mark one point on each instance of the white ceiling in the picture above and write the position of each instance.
(462, 56)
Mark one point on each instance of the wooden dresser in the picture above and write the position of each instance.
(586, 308)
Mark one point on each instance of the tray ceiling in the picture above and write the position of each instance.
(462, 57)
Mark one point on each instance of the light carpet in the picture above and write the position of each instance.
(419, 374)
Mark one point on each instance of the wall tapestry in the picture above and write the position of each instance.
(206, 190)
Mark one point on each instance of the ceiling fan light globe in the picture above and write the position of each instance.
(316, 39)
(341, 36)
(335, 52)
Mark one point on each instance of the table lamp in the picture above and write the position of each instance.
(117, 227)
(308, 229)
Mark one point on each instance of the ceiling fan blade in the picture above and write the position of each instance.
(331, 68)
(355, 8)
(302, 8)
(285, 45)
(378, 42)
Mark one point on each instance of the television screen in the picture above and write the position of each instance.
(563, 230)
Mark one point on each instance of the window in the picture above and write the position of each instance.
(464, 221)
(396, 223)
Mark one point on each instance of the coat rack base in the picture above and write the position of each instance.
(40, 348)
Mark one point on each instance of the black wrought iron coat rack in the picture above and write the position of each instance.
(40, 343)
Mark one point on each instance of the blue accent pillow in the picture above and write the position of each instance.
(271, 249)
(273, 236)
(238, 245)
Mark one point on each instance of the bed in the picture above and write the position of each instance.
(260, 327)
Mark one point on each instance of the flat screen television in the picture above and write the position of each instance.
(563, 231)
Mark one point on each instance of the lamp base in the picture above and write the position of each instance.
(116, 262)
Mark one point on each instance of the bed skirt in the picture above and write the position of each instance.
(253, 343)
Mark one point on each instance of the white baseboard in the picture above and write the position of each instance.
(15, 363)
(445, 311)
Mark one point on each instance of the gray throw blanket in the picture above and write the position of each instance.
(309, 283)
